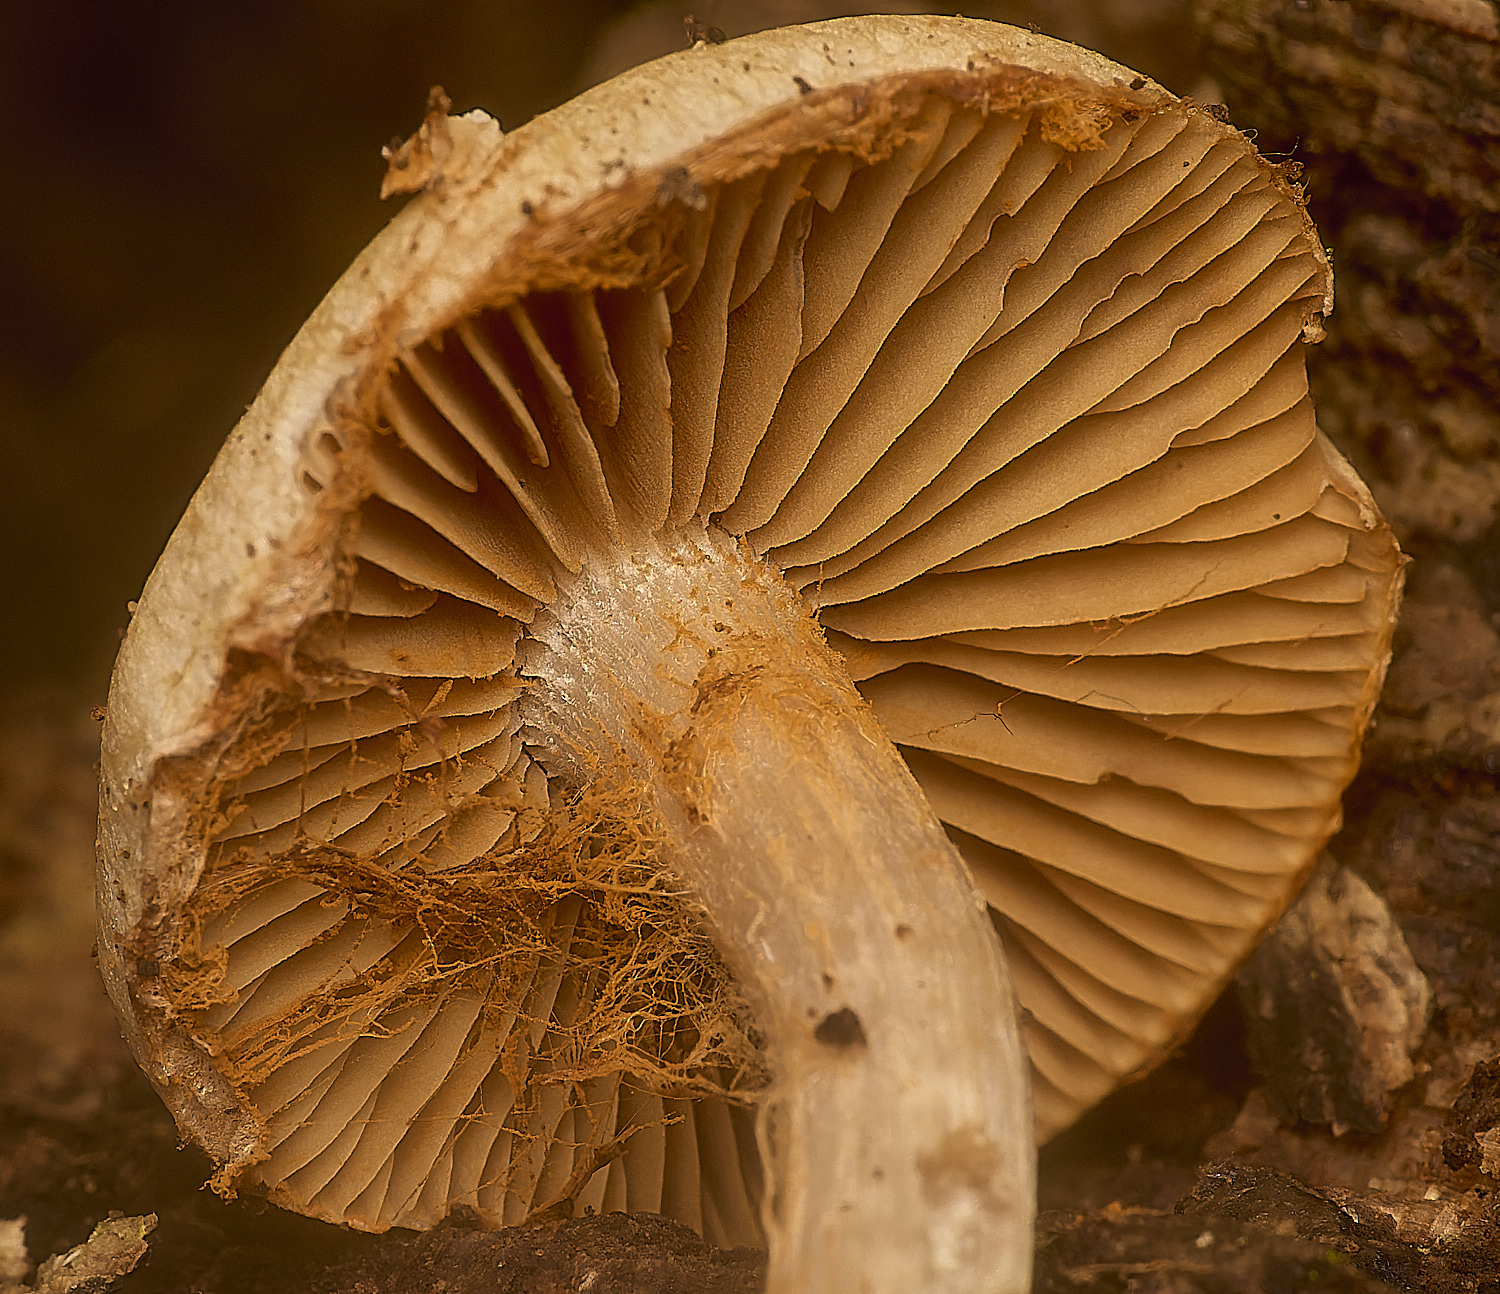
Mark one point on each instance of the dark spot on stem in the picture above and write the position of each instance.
(841, 1028)
(802, 85)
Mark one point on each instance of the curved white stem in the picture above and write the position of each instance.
(898, 1132)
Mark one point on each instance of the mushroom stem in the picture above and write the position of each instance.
(879, 982)
(897, 1133)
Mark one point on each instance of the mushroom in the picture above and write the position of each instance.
(489, 813)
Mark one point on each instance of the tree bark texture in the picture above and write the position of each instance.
(1393, 108)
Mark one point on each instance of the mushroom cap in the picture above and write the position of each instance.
(990, 347)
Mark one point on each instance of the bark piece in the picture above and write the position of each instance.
(112, 1250)
(1335, 1006)
(1473, 1135)
(1394, 110)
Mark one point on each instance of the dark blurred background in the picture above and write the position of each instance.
(183, 183)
